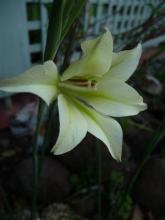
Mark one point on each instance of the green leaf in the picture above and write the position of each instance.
(71, 12)
(64, 13)
(54, 29)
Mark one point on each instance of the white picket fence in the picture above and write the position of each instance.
(18, 48)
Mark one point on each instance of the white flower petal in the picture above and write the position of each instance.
(120, 91)
(47, 92)
(115, 109)
(40, 80)
(117, 99)
(96, 60)
(112, 98)
(73, 126)
(124, 64)
(104, 128)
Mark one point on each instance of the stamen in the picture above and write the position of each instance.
(83, 83)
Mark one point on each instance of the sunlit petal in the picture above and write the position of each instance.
(124, 64)
(110, 98)
(104, 128)
(73, 126)
(96, 60)
(45, 92)
(116, 99)
(40, 80)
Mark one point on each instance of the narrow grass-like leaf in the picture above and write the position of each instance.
(64, 13)
(71, 12)
(54, 29)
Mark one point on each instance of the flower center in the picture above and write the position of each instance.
(83, 83)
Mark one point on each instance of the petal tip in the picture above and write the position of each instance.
(145, 106)
(106, 29)
(55, 151)
(119, 160)
(118, 157)
(139, 47)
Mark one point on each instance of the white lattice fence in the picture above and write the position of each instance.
(36, 28)
(119, 15)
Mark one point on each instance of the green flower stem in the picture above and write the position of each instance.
(35, 161)
(99, 213)
(51, 113)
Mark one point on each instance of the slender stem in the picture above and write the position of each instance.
(51, 113)
(35, 161)
(99, 179)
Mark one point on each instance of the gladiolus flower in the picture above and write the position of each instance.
(90, 91)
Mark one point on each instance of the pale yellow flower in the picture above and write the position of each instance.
(89, 91)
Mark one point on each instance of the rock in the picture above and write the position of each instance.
(149, 190)
(85, 205)
(60, 212)
(81, 156)
(53, 184)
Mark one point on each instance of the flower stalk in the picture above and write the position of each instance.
(99, 169)
(35, 158)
